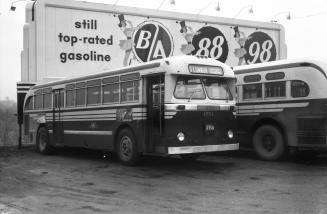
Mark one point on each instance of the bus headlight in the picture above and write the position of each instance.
(230, 134)
(181, 136)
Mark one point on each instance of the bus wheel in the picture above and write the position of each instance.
(190, 157)
(127, 148)
(268, 143)
(43, 142)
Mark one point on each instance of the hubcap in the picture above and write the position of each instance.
(126, 147)
(268, 142)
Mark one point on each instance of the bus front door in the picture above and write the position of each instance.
(155, 111)
(58, 129)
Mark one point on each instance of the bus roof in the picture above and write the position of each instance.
(174, 65)
(318, 64)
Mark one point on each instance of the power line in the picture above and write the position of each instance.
(310, 15)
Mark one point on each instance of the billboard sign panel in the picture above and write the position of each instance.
(76, 38)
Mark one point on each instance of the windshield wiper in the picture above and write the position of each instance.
(191, 96)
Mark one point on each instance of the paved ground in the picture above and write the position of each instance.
(79, 181)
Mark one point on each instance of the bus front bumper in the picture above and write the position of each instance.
(202, 149)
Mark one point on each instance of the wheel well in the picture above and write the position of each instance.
(269, 121)
(121, 127)
(42, 125)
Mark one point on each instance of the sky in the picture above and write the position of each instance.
(305, 32)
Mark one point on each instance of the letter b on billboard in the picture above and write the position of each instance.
(152, 41)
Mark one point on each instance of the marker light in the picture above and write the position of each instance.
(180, 136)
(230, 134)
(205, 69)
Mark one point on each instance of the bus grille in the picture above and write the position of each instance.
(311, 131)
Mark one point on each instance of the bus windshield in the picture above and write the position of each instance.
(217, 89)
(188, 87)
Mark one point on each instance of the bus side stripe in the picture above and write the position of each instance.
(261, 110)
(82, 132)
(270, 106)
(92, 119)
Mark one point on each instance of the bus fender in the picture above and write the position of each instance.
(40, 125)
(35, 122)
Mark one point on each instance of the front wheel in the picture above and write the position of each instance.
(127, 148)
(43, 142)
(268, 143)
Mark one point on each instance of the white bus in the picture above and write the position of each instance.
(281, 106)
(174, 106)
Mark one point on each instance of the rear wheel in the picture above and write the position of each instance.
(127, 147)
(268, 143)
(43, 142)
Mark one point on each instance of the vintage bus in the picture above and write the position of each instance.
(282, 106)
(174, 106)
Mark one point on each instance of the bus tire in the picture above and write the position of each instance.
(127, 147)
(190, 157)
(43, 142)
(268, 143)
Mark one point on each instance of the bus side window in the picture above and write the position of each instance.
(93, 95)
(38, 101)
(252, 91)
(62, 98)
(70, 98)
(29, 103)
(58, 99)
(275, 89)
(47, 100)
(130, 91)
(299, 88)
(110, 93)
(80, 97)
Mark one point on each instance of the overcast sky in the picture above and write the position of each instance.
(305, 32)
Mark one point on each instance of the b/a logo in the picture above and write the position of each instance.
(152, 41)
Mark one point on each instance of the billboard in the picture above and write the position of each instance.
(68, 38)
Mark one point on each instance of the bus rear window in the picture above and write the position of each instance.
(189, 88)
(299, 88)
(217, 89)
